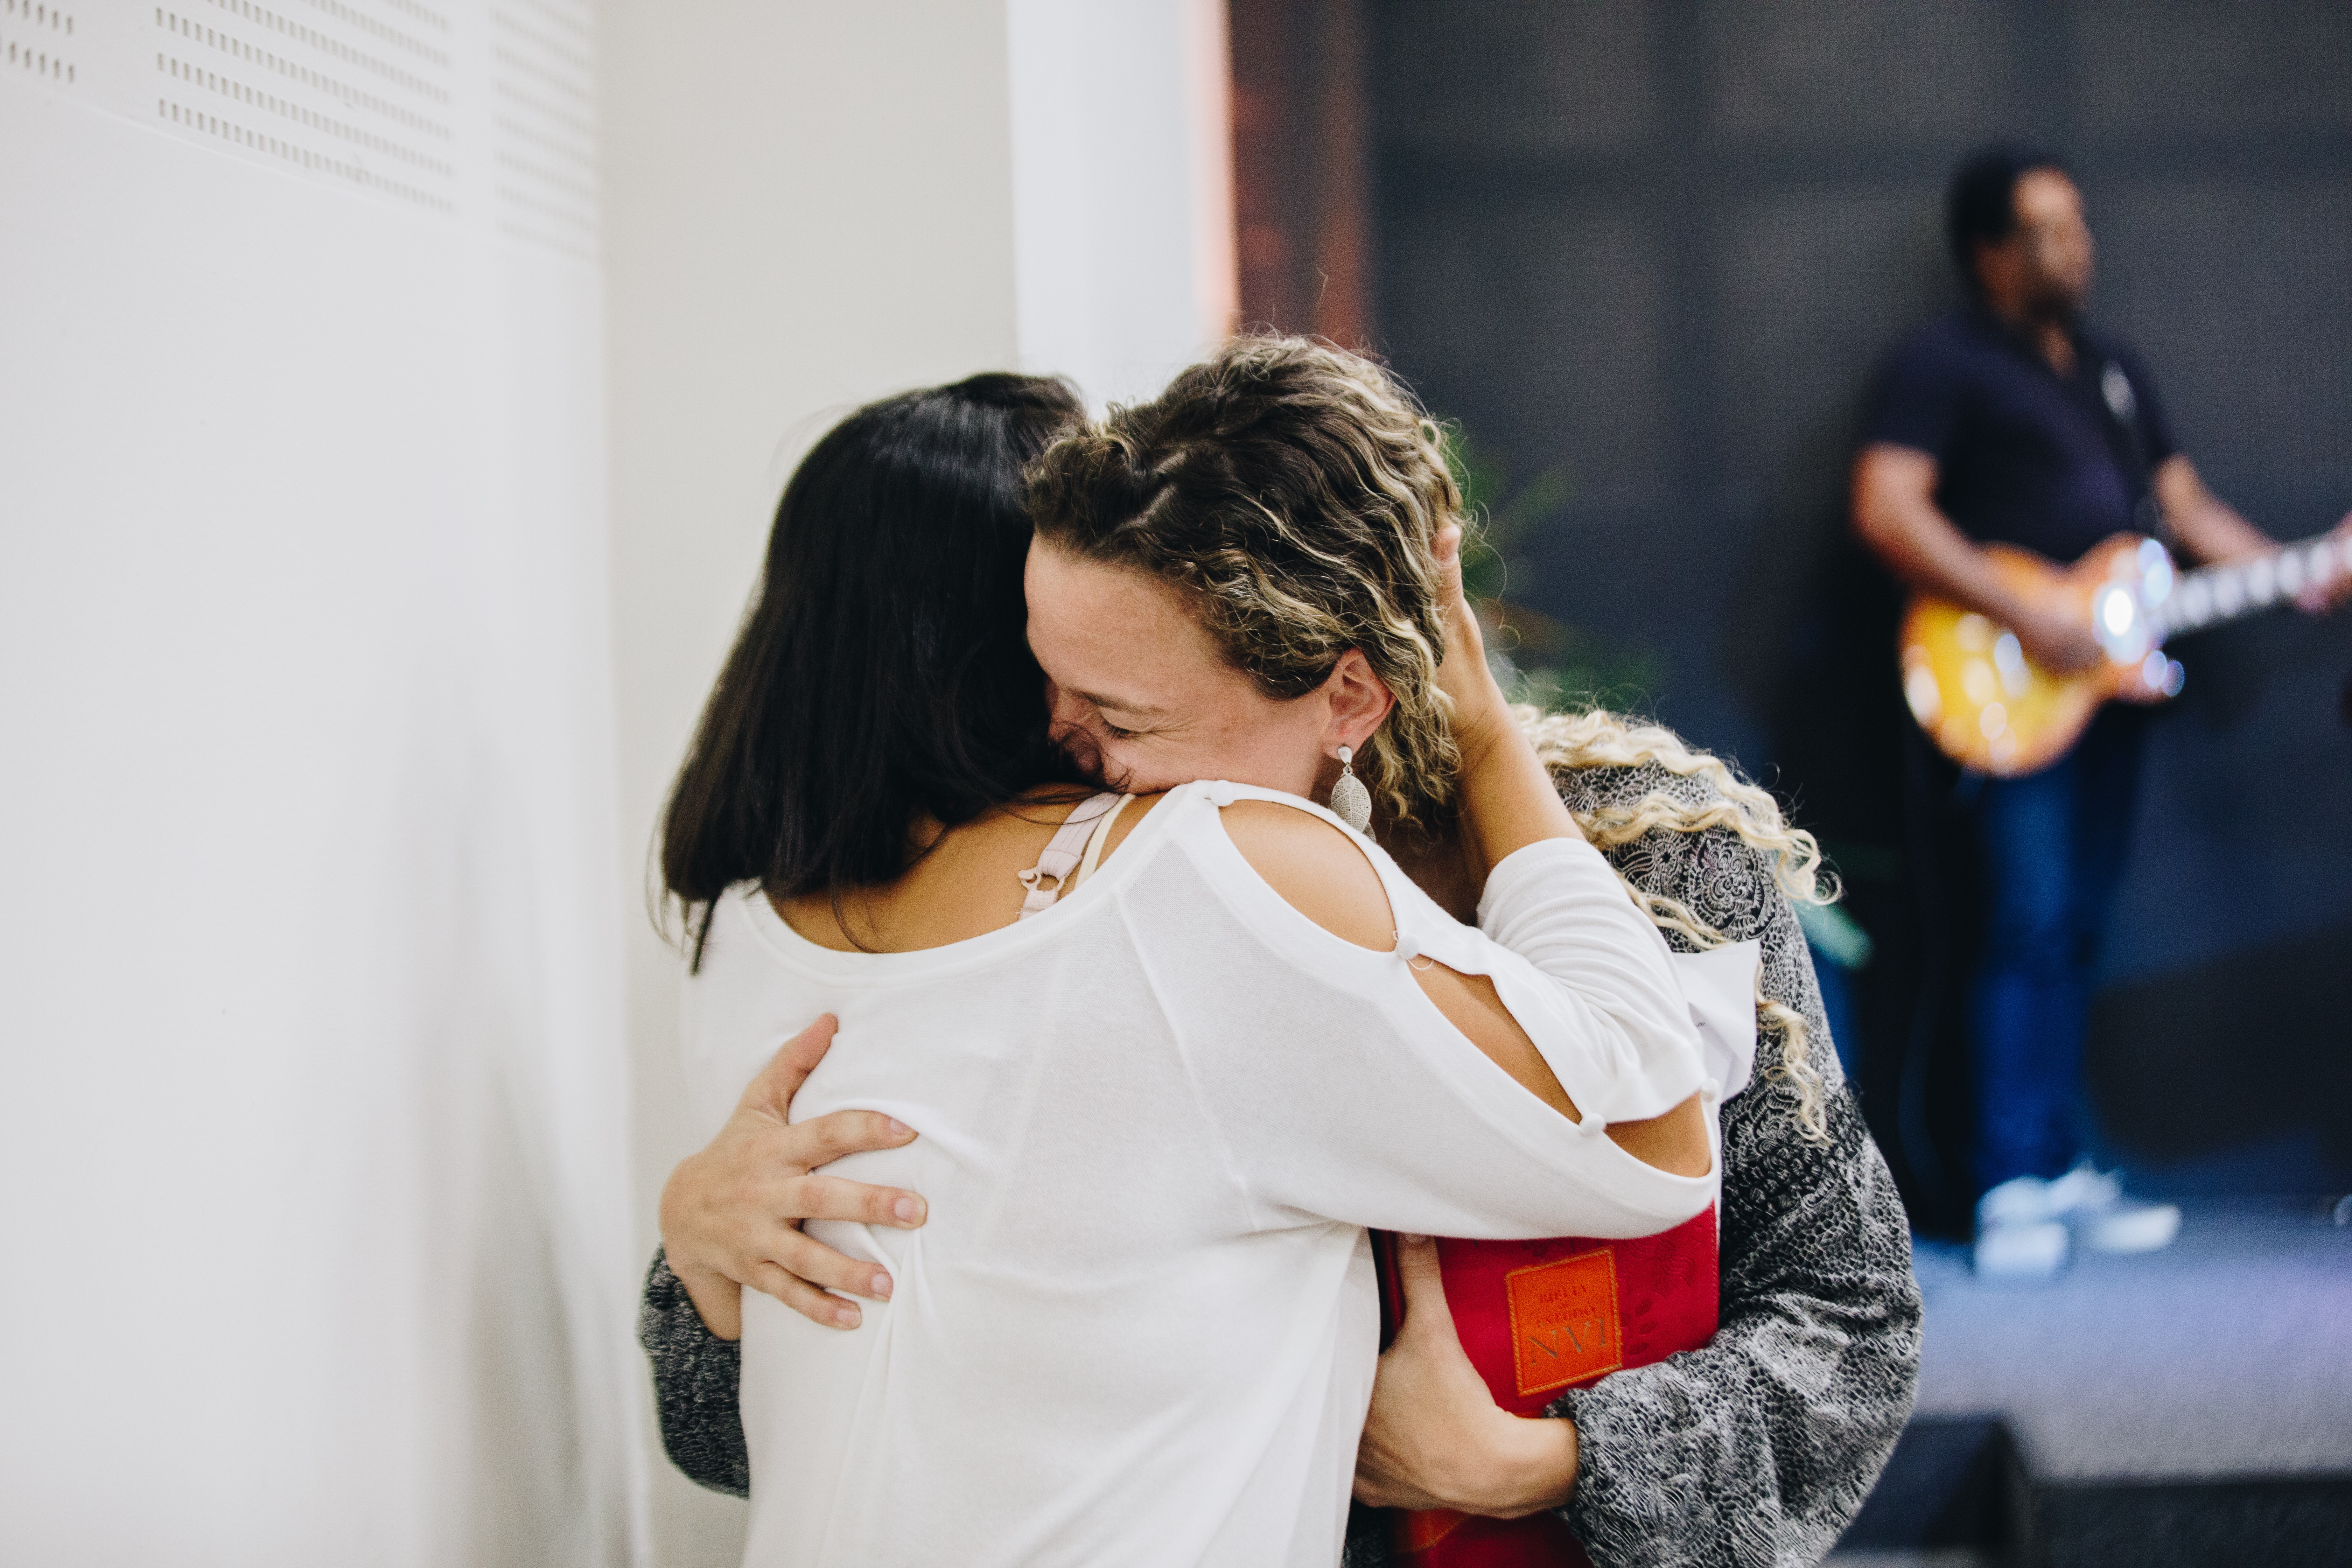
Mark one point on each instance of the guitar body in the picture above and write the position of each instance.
(1988, 706)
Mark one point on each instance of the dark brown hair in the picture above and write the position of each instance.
(883, 669)
(1981, 202)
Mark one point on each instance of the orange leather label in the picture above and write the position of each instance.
(1564, 1320)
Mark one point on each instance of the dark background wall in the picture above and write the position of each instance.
(1659, 246)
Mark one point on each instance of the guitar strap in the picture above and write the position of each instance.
(2119, 403)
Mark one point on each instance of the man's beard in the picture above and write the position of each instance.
(2057, 307)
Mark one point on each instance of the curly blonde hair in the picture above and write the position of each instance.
(1598, 739)
(1294, 492)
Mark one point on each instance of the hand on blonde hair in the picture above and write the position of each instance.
(1476, 711)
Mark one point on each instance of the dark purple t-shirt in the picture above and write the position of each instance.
(2024, 456)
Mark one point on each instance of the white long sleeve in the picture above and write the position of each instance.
(1557, 904)
(1347, 1095)
(1536, 903)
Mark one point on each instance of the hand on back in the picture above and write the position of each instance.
(1435, 1437)
(731, 1214)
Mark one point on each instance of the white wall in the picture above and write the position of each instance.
(312, 1130)
(338, 704)
(808, 207)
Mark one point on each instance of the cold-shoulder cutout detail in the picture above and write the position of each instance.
(1315, 867)
(1323, 873)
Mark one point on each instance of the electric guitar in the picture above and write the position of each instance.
(1988, 707)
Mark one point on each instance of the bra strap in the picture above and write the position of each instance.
(1046, 879)
(1097, 839)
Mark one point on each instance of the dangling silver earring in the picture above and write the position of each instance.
(1351, 803)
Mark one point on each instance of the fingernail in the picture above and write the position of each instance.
(881, 1286)
(908, 1209)
(846, 1316)
(897, 1128)
(1411, 1240)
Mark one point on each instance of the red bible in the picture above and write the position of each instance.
(1537, 1319)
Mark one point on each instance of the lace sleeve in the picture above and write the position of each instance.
(695, 1376)
(1761, 1448)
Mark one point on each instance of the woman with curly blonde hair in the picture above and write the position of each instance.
(1295, 497)
(1286, 505)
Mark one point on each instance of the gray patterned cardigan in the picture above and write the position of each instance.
(1757, 1449)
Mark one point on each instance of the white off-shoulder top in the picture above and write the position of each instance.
(1139, 1325)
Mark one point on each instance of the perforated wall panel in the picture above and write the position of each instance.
(480, 112)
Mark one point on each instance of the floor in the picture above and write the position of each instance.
(2228, 1354)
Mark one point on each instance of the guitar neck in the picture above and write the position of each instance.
(2236, 589)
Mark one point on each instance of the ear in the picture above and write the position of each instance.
(1358, 703)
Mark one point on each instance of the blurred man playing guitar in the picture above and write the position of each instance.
(2008, 424)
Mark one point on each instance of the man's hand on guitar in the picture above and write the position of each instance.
(2210, 529)
(1895, 513)
(2059, 641)
(2333, 587)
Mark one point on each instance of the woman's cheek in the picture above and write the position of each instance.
(1120, 765)
(1142, 768)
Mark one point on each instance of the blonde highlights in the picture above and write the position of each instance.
(1598, 739)
(1294, 492)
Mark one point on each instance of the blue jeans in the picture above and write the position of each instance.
(2051, 849)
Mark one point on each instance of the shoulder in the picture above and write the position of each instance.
(1920, 379)
(1946, 337)
(1604, 786)
(1315, 867)
(720, 932)
(1667, 833)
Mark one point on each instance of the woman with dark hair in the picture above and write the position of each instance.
(1137, 1323)
(902, 530)
(901, 536)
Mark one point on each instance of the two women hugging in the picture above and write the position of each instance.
(1058, 1220)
